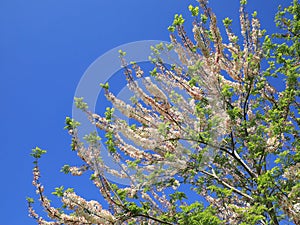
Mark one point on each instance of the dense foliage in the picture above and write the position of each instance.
(210, 139)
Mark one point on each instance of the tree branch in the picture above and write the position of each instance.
(226, 184)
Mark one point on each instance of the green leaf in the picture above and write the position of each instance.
(93, 177)
(105, 86)
(133, 127)
(169, 46)
(65, 169)
(154, 72)
(92, 138)
(30, 200)
(37, 152)
(122, 54)
(171, 29)
(59, 191)
(192, 82)
(194, 10)
(178, 196)
(227, 22)
(178, 20)
(71, 124)
(204, 18)
(109, 113)
(160, 46)
(243, 2)
(80, 104)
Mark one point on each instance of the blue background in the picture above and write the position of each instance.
(45, 48)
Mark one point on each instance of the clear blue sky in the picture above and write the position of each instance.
(45, 47)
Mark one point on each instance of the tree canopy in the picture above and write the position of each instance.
(208, 139)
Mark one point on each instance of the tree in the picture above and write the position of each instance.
(213, 124)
